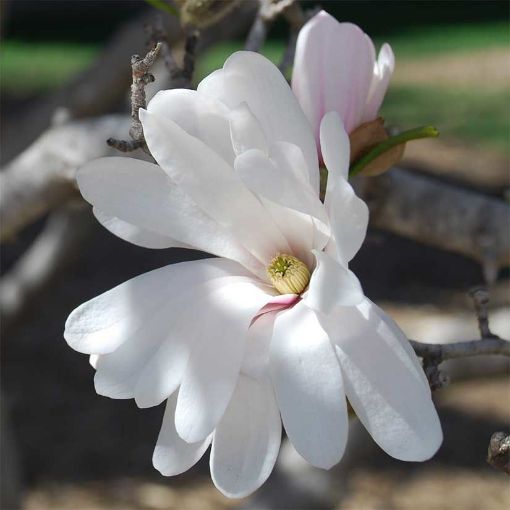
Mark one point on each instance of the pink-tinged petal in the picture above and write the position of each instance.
(247, 439)
(199, 115)
(142, 195)
(332, 285)
(172, 455)
(246, 131)
(383, 71)
(333, 70)
(382, 384)
(308, 386)
(213, 185)
(277, 303)
(215, 359)
(135, 235)
(251, 78)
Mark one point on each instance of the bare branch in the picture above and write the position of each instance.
(61, 239)
(140, 68)
(269, 10)
(467, 349)
(480, 298)
(43, 176)
(498, 454)
(489, 344)
(180, 75)
(440, 214)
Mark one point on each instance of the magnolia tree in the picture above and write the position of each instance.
(273, 329)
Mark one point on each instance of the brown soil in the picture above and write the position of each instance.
(489, 69)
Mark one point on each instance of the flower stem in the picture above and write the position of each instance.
(389, 143)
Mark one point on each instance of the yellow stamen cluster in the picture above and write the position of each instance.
(288, 274)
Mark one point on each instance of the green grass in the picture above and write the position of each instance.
(433, 40)
(31, 68)
(477, 116)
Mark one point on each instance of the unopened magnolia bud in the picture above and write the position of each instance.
(203, 13)
(288, 274)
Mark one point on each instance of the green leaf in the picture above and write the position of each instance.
(389, 143)
(163, 6)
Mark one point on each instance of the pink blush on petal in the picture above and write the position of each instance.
(277, 303)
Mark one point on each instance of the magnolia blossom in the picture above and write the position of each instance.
(335, 69)
(276, 328)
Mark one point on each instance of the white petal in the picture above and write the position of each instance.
(383, 70)
(213, 184)
(348, 216)
(296, 205)
(163, 372)
(308, 385)
(251, 78)
(199, 115)
(348, 213)
(216, 358)
(336, 149)
(333, 70)
(100, 325)
(397, 335)
(256, 355)
(332, 285)
(142, 194)
(246, 131)
(135, 235)
(172, 455)
(247, 439)
(382, 384)
(150, 364)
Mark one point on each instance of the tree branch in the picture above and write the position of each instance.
(466, 349)
(269, 10)
(61, 239)
(43, 176)
(489, 344)
(433, 212)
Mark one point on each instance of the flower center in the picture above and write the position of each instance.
(288, 274)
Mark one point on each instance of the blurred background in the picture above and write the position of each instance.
(64, 447)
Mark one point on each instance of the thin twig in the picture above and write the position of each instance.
(269, 10)
(488, 344)
(141, 78)
(466, 349)
(480, 298)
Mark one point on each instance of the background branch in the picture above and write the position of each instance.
(43, 176)
(440, 214)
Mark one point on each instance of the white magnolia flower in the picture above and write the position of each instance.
(275, 329)
(335, 69)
